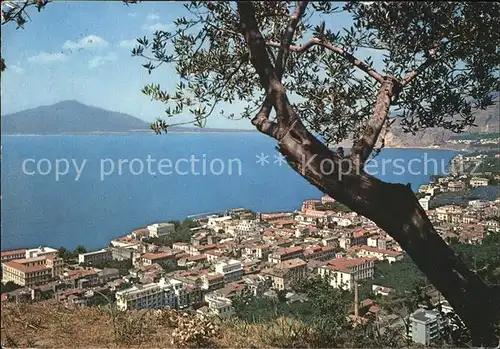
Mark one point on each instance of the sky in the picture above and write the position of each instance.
(80, 50)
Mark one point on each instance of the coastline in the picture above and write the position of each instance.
(132, 133)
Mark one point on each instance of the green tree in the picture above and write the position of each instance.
(64, 253)
(9, 286)
(439, 64)
(80, 249)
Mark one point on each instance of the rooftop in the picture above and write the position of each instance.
(12, 252)
(155, 256)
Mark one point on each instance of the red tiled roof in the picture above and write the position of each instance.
(81, 272)
(199, 257)
(155, 256)
(344, 264)
(12, 252)
(376, 250)
(290, 250)
(23, 268)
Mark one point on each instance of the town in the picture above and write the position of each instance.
(202, 264)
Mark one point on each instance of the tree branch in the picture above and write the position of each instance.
(349, 57)
(429, 62)
(363, 147)
(270, 77)
(288, 37)
(408, 78)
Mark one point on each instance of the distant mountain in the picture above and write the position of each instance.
(76, 117)
(69, 117)
(487, 120)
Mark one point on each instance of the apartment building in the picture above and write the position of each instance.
(160, 229)
(380, 254)
(449, 214)
(232, 270)
(351, 238)
(32, 271)
(343, 272)
(285, 273)
(94, 257)
(284, 254)
(11, 255)
(479, 182)
(456, 186)
(321, 253)
(152, 258)
(149, 296)
(212, 281)
(259, 251)
(219, 306)
(246, 226)
(424, 326)
(123, 253)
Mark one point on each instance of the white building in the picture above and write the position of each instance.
(424, 326)
(479, 182)
(478, 204)
(217, 223)
(95, 256)
(375, 252)
(160, 229)
(219, 306)
(40, 251)
(232, 270)
(149, 296)
(245, 227)
(424, 202)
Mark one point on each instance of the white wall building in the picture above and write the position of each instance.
(219, 306)
(95, 256)
(40, 251)
(232, 270)
(150, 296)
(160, 229)
(424, 202)
(245, 227)
(424, 326)
(217, 223)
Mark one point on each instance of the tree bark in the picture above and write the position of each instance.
(395, 209)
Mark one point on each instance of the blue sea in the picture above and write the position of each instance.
(66, 190)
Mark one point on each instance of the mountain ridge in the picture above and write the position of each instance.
(74, 117)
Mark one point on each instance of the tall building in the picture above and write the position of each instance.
(424, 326)
(232, 270)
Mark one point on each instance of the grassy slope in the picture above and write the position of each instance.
(52, 325)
